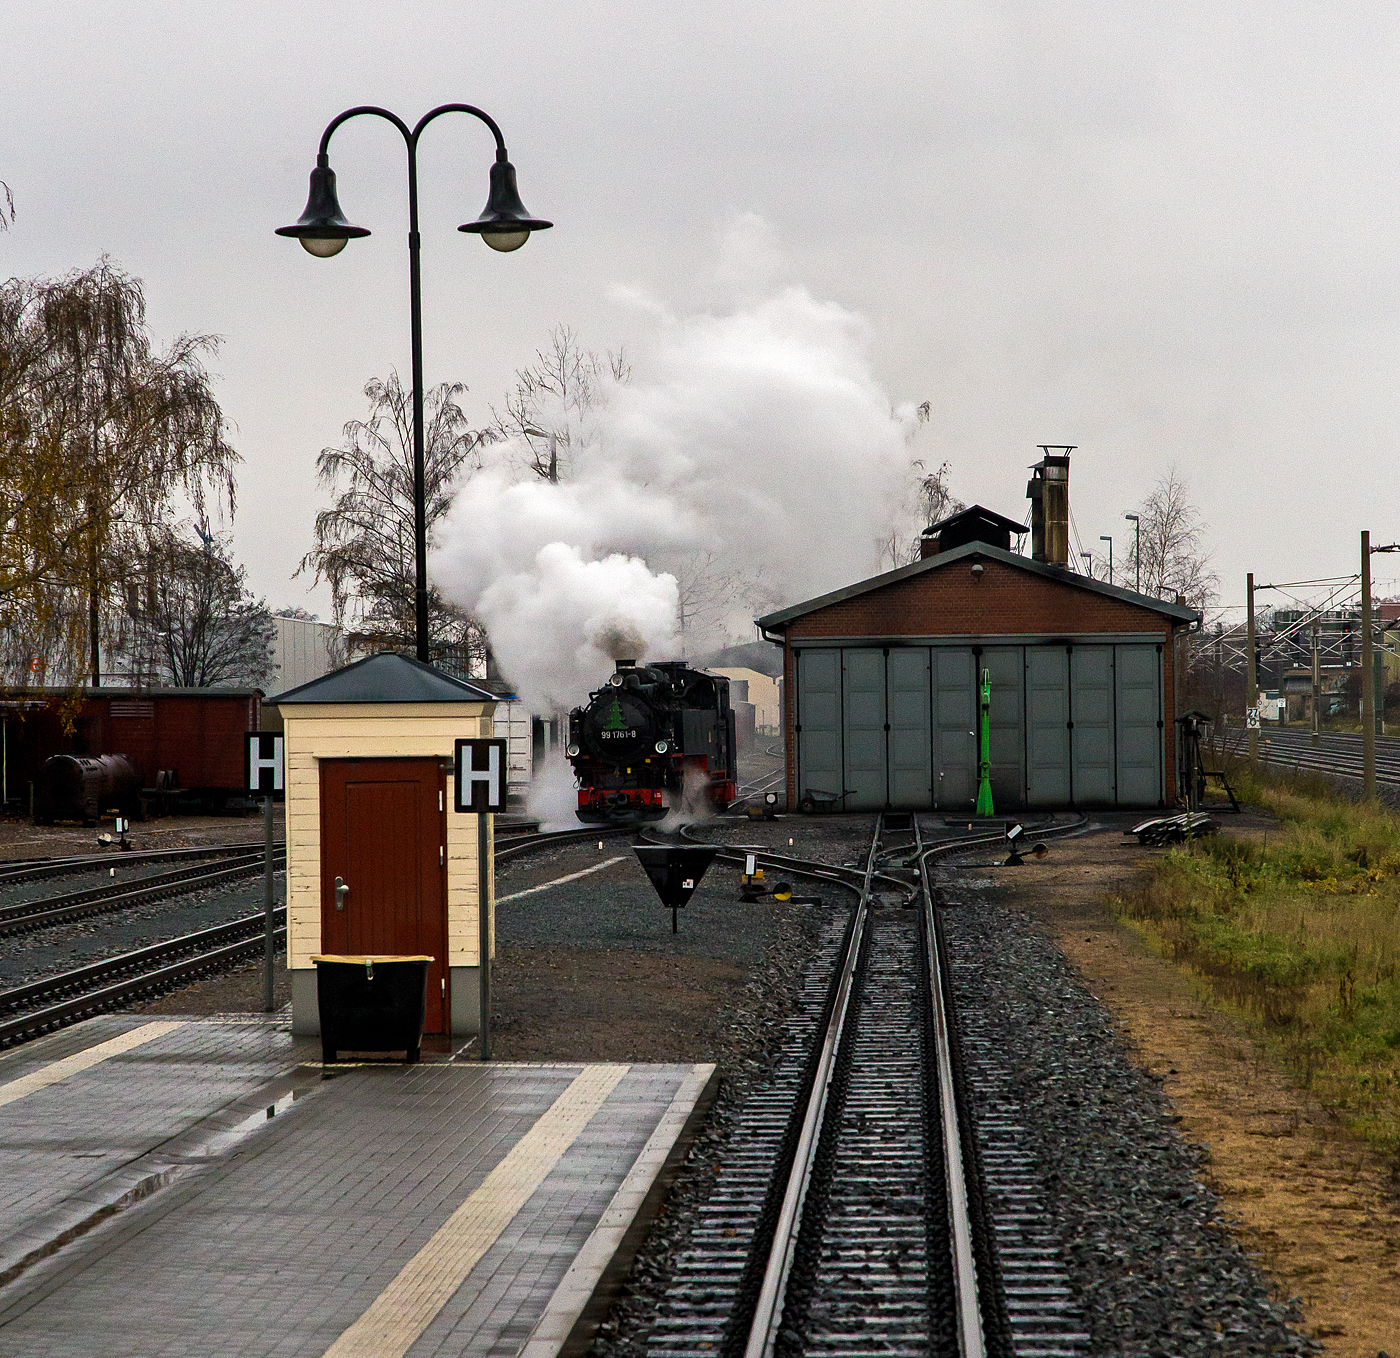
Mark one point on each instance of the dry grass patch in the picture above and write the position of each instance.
(1299, 931)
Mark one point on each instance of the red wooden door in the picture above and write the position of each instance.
(384, 834)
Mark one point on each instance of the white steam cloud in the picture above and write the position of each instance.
(751, 460)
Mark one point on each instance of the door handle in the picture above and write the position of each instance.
(341, 892)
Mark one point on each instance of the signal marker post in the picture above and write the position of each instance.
(480, 768)
(266, 775)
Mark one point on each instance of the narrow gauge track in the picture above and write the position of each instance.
(854, 1216)
(113, 982)
(56, 1001)
(33, 870)
(74, 905)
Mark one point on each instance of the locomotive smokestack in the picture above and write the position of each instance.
(1048, 492)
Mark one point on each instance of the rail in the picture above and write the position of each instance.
(768, 1311)
(92, 989)
(83, 992)
(74, 905)
(958, 1223)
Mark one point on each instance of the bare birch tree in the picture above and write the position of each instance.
(1174, 559)
(365, 540)
(548, 409)
(194, 620)
(928, 499)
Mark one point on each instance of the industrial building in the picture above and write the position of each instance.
(881, 678)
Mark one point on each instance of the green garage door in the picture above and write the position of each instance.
(863, 700)
(1071, 725)
(1139, 725)
(910, 749)
(1007, 667)
(818, 721)
(954, 728)
(1092, 732)
(1047, 726)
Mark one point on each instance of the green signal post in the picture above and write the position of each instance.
(984, 742)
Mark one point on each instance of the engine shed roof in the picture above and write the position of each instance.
(1179, 613)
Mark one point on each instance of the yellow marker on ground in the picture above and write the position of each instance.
(404, 1309)
(83, 1060)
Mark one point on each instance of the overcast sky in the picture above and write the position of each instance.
(1164, 232)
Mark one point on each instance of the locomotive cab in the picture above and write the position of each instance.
(651, 737)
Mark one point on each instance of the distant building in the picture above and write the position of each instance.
(303, 650)
(764, 692)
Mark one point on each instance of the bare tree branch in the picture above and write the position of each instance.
(364, 541)
(1174, 561)
(194, 622)
(553, 397)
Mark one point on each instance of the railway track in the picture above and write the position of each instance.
(860, 1211)
(75, 905)
(1337, 754)
(57, 1001)
(53, 1002)
(36, 869)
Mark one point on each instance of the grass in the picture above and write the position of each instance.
(1299, 932)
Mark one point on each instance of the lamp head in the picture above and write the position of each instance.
(504, 223)
(322, 229)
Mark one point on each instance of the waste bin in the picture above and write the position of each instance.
(371, 1003)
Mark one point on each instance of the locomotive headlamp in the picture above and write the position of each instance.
(571, 751)
(662, 747)
(616, 680)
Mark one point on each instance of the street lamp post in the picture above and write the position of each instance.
(1109, 540)
(1137, 549)
(1088, 559)
(323, 230)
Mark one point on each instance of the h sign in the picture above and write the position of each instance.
(481, 776)
(264, 762)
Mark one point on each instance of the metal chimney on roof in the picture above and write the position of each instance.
(1048, 492)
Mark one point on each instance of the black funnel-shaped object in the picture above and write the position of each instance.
(505, 216)
(323, 220)
(675, 872)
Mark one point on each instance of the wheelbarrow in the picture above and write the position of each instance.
(814, 799)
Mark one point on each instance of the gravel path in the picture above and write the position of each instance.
(1156, 1272)
(45, 888)
(617, 908)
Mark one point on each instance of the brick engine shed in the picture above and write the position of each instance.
(881, 679)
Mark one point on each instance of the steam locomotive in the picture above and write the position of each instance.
(650, 736)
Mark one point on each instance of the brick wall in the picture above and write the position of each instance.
(949, 602)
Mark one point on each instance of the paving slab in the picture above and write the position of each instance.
(101, 1113)
(393, 1210)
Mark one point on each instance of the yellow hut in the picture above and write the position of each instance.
(377, 862)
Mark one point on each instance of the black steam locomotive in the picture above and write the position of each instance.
(649, 737)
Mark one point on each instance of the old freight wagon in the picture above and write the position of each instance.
(196, 735)
(882, 677)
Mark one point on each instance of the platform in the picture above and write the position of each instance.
(177, 1187)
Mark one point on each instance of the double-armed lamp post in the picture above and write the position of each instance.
(323, 229)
